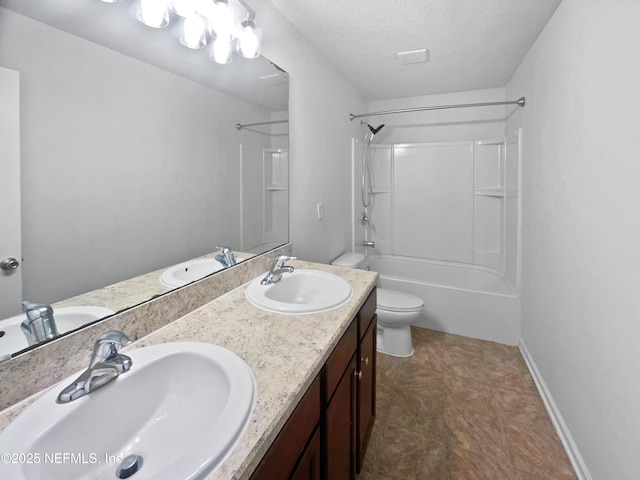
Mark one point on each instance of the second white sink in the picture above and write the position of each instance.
(190, 271)
(302, 291)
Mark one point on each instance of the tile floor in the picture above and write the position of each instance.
(461, 409)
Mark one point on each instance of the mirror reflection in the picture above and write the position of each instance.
(137, 165)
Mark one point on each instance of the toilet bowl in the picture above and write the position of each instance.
(395, 310)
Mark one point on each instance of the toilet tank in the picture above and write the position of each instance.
(350, 260)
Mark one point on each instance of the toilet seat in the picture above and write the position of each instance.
(395, 301)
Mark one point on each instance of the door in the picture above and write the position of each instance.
(10, 241)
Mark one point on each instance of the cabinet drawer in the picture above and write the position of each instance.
(366, 314)
(285, 451)
(339, 359)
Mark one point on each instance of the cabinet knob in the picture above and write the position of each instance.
(358, 374)
(365, 360)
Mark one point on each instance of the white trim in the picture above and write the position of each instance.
(570, 446)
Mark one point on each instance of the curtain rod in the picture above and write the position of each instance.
(519, 102)
(241, 126)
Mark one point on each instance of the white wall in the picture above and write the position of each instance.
(581, 225)
(126, 168)
(457, 124)
(319, 139)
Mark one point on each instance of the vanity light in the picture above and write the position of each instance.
(202, 20)
(221, 50)
(248, 44)
(222, 21)
(153, 13)
(184, 8)
(193, 32)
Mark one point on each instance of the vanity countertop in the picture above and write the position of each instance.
(285, 353)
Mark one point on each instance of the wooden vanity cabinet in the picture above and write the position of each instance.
(350, 402)
(294, 446)
(326, 437)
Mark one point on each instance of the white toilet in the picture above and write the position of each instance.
(396, 311)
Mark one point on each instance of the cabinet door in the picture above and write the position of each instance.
(309, 466)
(340, 428)
(288, 447)
(366, 391)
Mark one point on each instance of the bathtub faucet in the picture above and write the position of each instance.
(366, 243)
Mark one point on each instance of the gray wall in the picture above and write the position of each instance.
(581, 228)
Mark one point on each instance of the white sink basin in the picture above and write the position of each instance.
(303, 291)
(182, 407)
(190, 271)
(67, 318)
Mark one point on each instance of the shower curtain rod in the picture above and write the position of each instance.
(241, 126)
(519, 102)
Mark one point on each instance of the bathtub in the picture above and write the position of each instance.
(463, 299)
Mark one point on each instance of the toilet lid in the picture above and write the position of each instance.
(393, 300)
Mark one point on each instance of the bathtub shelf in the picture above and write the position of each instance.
(489, 192)
(275, 188)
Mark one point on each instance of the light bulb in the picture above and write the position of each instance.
(183, 8)
(193, 32)
(248, 43)
(222, 21)
(221, 51)
(153, 13)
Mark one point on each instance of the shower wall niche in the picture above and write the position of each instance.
(450, 201)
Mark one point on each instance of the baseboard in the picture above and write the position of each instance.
(561, 428)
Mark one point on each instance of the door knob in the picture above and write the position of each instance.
(9, 264)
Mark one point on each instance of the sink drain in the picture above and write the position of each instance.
(129, 466)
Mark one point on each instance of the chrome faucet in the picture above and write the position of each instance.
(39, 324)
(105, 366)
(277, 269)
(226, 257)
(367, 243)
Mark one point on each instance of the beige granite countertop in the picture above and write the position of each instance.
(132, 291)
(285, 353)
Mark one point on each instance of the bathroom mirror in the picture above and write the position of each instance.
(131, 160)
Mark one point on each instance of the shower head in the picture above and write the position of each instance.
(375, 130)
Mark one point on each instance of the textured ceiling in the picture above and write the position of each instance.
(473, 44)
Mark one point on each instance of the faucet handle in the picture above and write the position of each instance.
(228, 255)
(107, 346)
(280, 260)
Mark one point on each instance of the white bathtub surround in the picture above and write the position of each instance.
(462, 299)
(452, 201)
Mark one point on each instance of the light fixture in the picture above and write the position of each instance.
(153, 13)
(193, 32)
(184, 8)
(222, 20)
(202, 20)
(221, 50)
(248, 43)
